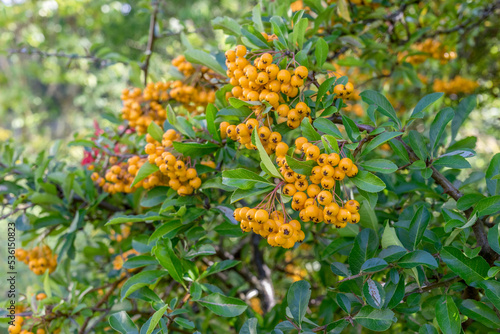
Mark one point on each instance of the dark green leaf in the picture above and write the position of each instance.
(122, 323)
(223, 306)
(139, 280)
(464, 108)
(447, 315)
(380, 165)
(368, 182)
(321, 52)
(438, 125)
(243, 178)
(472, 270)
(384, 106)
(424, 103)
(379, 140)
(492, 291)
(308, 131)
(302, 167)
(373, 265)
(211, 113)
(417, 143)
(350, 128)
(417, 258)
(326, 126)
(195, 150)
(298, 297)
(374, 319)
(418, 225)
(167, 258)
(218, 267)
(155, 131)
(203, 58)
(452, 161)
(365, 245)
(479, 312)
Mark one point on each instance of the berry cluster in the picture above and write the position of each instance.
(16, 328)
(455, 86)
(175, 171)
(271, 140)
(120, 259)
(314, 195)
(124, 233)
(431, 49)
(270, 226)
(141, 107)
(39, 259)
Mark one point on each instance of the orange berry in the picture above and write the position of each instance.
(301, 72)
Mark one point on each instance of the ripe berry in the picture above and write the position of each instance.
(333, 159)
(241, 51)
(251, 215)
(327, 171)
(261, 216)
(353, 171)
(313, 190)
(327, 182)
(345, 164)
(355, 217)
(344, 215)
(266, 58)
(286, 231)
(312, 152)
(325, 197)
(301, 72)
(338, 175)
(284, 77)
(352, 205)
(281, 149)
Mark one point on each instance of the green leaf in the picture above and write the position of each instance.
(418, 145)
(472, 270)
(350, 128)
(337, 327)
(399, 149)
(324, 87)
(343, 10)
(380, 166)
(257, 19)
(379, 140)
(468, 200)
(494, 238)
(223, 306)
(438, 125)
(299, 30)
(373, 265)
(368, 182)
(488, 206)
(150, 216)
(368, 217)
(218, 267)
(384, 106)
(249, 327)
(155, 131)
(418, 258)
(365, 245)
(195, 150)
(492, 291)
(298, 297)
(374, 319)
(479, 312)
(424, 103)
(122, 323)
(254, 36)
(227, 24)
(393, 252)
(390, 238)
(140, 280)
(326, 126)
(308, 131)
(321, 53)
(211, 114)
(374, 294)
(145, 170)
(264, 156)
(418, 225)
(464, 108)
(240, 194)
(184, 323)
(204, 58)
(330, 142)
(427, 329)
(299, 166)
(140, 261)
(168, 260)
(492, 183)
(156, 317)
(452, 161)
(243, 178)
(344, 302)
(447, 315)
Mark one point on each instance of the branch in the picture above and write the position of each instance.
(264, 274)
(151, 41)
(71, 56)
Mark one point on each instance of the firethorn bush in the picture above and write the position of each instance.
(312, 174)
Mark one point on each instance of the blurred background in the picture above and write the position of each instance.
(64, 63)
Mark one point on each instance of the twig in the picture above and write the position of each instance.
(70, 56)
(151, 41)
